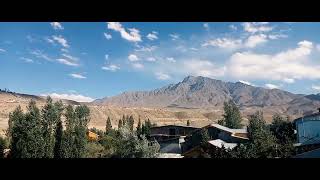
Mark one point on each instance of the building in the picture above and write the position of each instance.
(92, 136)
(170, 137)
(308, 129)
(197, 151)
(315, 153)
(172, 130)
(219, 136)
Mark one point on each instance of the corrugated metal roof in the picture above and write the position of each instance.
(309, 116)
(219, 143)
(228, 129)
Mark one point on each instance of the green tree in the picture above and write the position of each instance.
(204, 136)
(131, 122)
(82, 113)
(283, 130)
(50, 116)
(27, 133)
(146, 128)
(262, 142)
(232, 116)
(139, 128)
(58, 140)
(108, 125)
(128, 145)
(120, 124)
(2, 147)
(74, 138)
(256, 124)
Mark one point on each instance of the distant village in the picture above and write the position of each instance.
(175, 141)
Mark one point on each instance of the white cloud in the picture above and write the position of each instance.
(206, 26)
(107, 36)
(111, 67)
(64, 50)
(202, 68)
(67, 62)
(272, 86)
(174, 36)
(171, 59)
(146, 48)
(2, 50)
(246, 82)
(227, 43)
(133, 57)
(61, 40)
(70, 57)
(152, 36)
(194, 49)
(284, 66)
(77, 76)
(315, 87)
(132, 35)
(233, 44)
(151, 59)
(256, 27)
(30, 38)
(162, 76)
(288, 80)
(138, 65)
(73, 97)
(255, 40)
(56, 25)
(40, 54)
(277, 36)
(27, 60)
(233, 27)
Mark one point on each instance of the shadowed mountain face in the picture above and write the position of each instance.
(202, 92)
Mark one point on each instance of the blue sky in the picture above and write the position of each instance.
(89, 60)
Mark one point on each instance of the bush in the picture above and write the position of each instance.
(128, 145)
(2, 147)
(94, 150)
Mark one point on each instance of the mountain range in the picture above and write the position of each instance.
(203, 92)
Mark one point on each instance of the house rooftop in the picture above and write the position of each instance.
(219, 143)
(228, 129)
(309, 116)
(183, 126)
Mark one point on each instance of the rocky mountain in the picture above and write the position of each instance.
(313, 97)
(202, 92)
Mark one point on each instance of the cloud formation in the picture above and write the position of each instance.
(152, 36)
(56, 25)
(133, 57)
(111, 67)
(130, 34)
(272, 86)
(77, 76)
(73, 97)
(162, 76)
(285, 66)
(107, 36)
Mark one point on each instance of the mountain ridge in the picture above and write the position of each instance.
(204, 92)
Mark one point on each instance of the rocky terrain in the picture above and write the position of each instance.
(205, 93)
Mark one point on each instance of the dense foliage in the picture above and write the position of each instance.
(231, 117)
